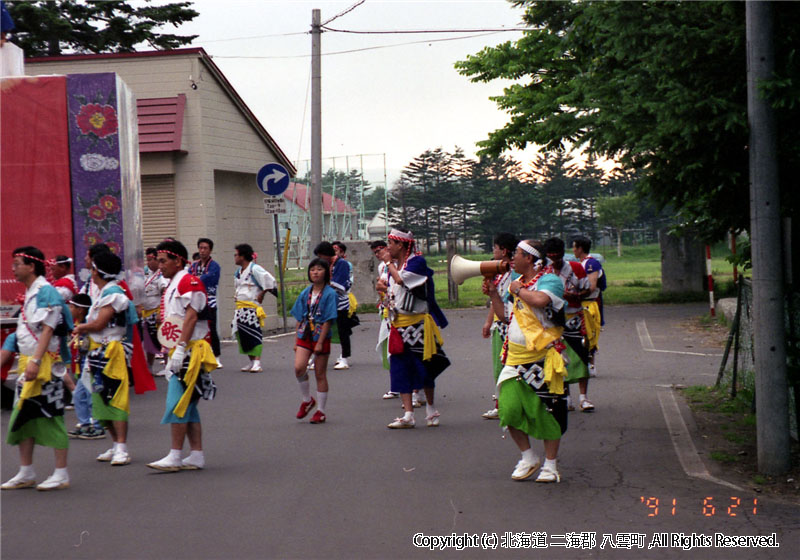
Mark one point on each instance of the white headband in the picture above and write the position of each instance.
(529, 249)
(398, 235)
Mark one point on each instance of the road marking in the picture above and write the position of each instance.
(647, 342)
(690, 460)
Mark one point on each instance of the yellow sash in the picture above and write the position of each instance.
(536, 336)
(200, 355)
(116, 368)
(147, 312)
(250, 304)
(353, 304)
(591, 318)
(554, 368)
(431, 335)
(33, 388)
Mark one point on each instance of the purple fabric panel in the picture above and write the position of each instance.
(94, 154)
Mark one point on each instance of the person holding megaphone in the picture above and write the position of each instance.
(530, 387)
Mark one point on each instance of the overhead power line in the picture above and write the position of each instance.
(376, 47)
(340, 14)
(408, 31)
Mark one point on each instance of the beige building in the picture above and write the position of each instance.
(200, 149)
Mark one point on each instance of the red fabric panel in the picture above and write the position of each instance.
(36, 205)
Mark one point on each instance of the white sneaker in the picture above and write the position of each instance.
(570, 406)
(167, 464)
(106, 456)
(54, 482)
(586, 406)
(20, 481)
(219, 364)
(548, 475)
(256, 367)
(401, 423)
(342, 364)
(415, 402)
(247, 368)
(120, 458)
(492, 414)
(433, 420)
(189, 464)
(524, 469)
(161, 373)
(391, 395)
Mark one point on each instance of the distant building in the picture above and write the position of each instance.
(339, 221)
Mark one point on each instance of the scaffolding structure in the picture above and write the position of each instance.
(345, 179)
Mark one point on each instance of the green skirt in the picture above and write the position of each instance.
(49, 432)
(106, 412)
(520, 407)
(497, 349)
(576, 369)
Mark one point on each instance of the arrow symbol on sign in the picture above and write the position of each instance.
(275, 176)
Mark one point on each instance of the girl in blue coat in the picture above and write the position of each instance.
(315, 312)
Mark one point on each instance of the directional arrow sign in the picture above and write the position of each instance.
(273, 179)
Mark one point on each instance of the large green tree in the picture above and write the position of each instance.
(47, 28)
(658, 86)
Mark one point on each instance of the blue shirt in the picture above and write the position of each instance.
(209, 276)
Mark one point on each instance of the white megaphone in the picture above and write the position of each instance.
(461, 269)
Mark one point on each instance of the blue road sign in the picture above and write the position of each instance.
(273, 179)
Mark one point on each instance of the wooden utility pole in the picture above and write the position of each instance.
(769, 345)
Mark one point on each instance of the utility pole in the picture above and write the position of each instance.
(769, 346)
(316, 129)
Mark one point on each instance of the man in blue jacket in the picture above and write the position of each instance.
(208, 271)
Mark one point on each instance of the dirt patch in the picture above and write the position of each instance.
(727, 440)
(726, 427)
(705, 331)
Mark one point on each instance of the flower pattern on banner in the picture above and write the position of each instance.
(94, 131)
(101, 213)
(97, 119)
(98, 162)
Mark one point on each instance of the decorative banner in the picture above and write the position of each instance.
(94, 162)
(170, 331)
(104, 158)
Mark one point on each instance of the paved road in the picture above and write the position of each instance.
(278, 488)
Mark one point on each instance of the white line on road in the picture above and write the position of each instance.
(647, 342)
(684, 446)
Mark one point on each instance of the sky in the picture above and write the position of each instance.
(398, 101)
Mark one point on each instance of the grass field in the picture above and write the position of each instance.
(633, 278)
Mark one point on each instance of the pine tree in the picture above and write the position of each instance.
(47, 28)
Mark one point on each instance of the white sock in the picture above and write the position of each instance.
(27, 471)
(304, 389)
(115, 447)
(583, 398)
(174, 454)
(550, 464)
(429, 409)
(195, 455)
(256, 363)
(61, 473)
(322, 398)
(408, 416)
(122, 448)
(529, 456)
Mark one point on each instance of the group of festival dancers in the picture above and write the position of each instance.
(544, 320)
